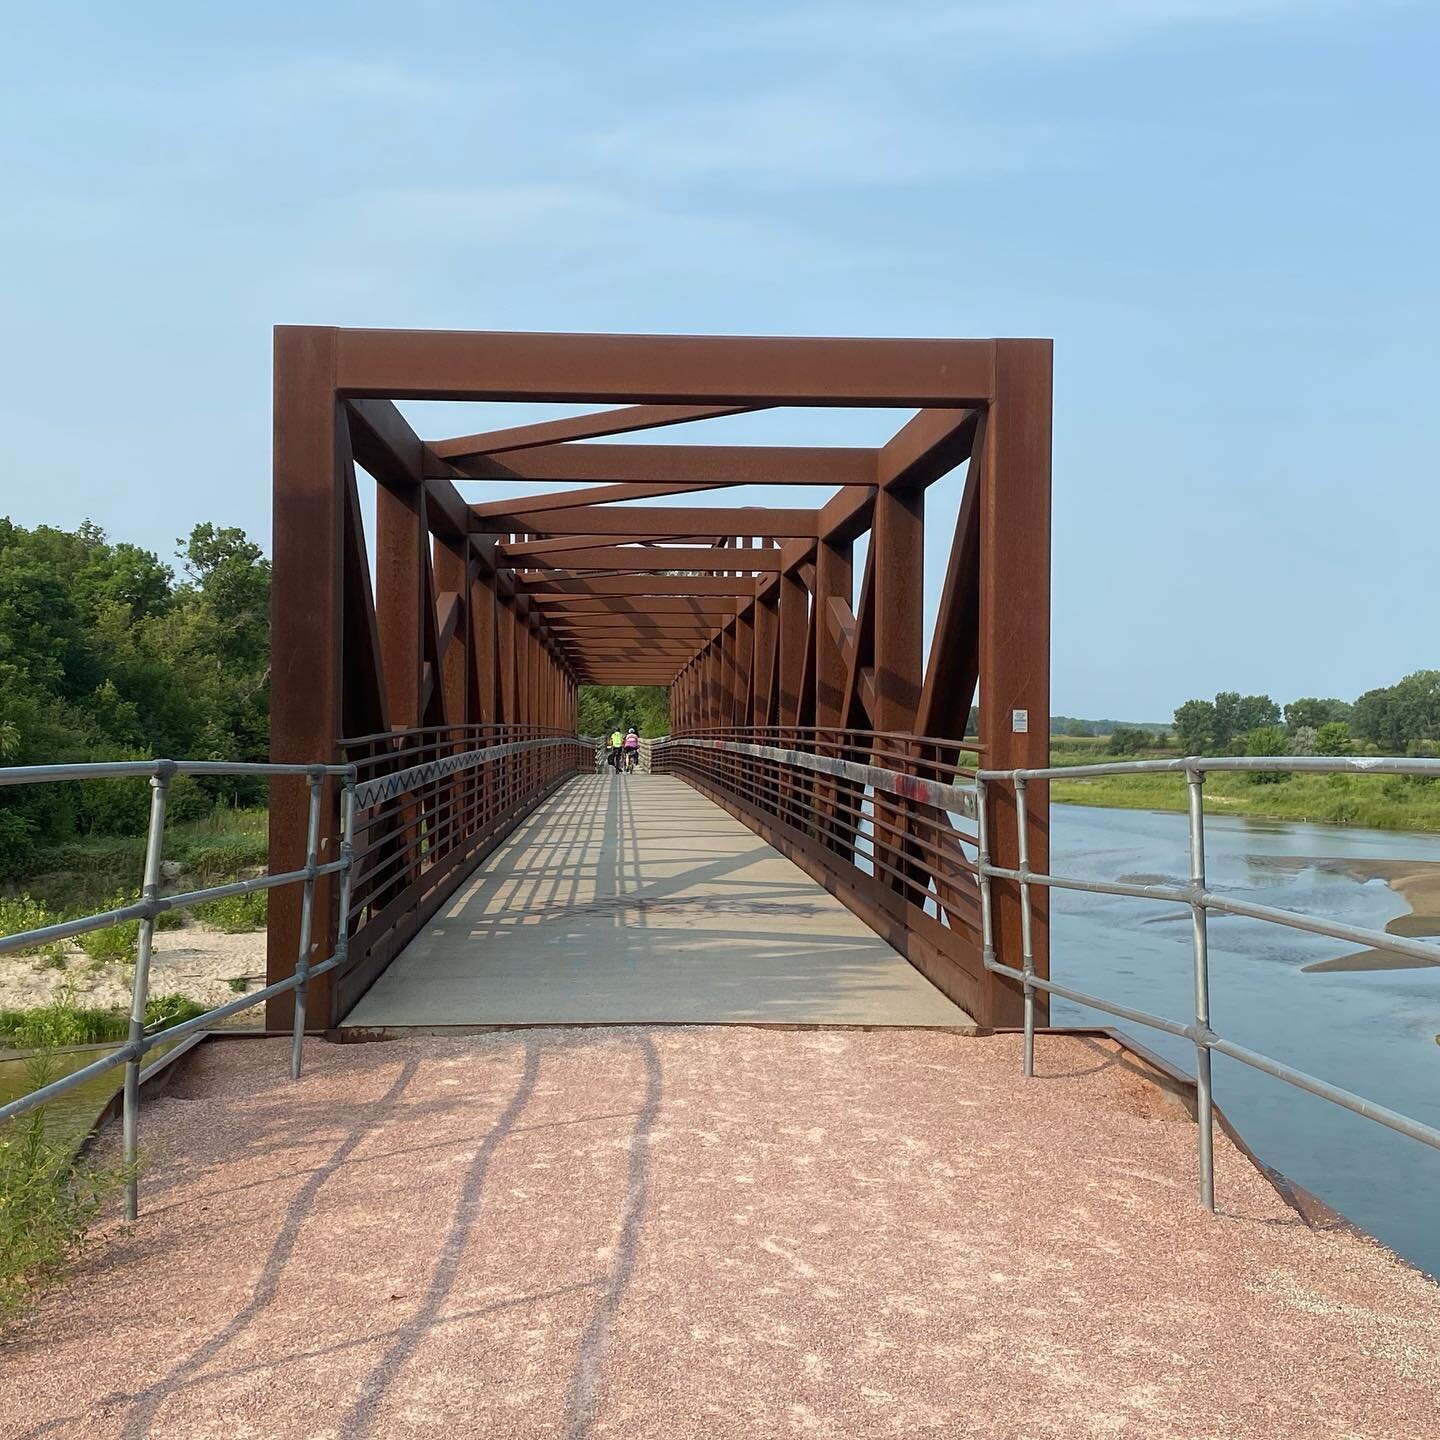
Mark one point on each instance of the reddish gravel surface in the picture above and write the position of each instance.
(709, 1232)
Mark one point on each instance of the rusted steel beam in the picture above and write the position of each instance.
(847, 515)
(1015, 640)
(652, 464)
(954, 665)
(926, 447)
(566, 607)
(662, 369)
(592, 495)
(308, 680)
(545, 588)
(655, 521)
(582, 427)
(389, 449)
(671, 558)
(511, 551)
(794, 615)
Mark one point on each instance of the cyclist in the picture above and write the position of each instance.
(617, 741)
(632, 748)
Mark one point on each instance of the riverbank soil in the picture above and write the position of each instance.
(718, 1232)
(1417, 882)
(200, 963)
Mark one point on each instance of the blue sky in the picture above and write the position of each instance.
(1224, 211)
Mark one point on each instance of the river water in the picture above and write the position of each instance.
(1371, 1032)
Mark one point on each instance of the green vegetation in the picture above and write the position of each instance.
(606, 708)
(63, 1022)
(48, 1199)
(235, 914)
(104, 655)
(1400, 719)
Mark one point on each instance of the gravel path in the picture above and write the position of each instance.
(709, 1232)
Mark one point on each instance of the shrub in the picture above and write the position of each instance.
(235, 914)
(26, 913)
(1333, 738)
(1128, 740)
(115, 942)
(1265, 740)
(62, 1022)
(163, 1011)
(47, 1202)
(226, 857)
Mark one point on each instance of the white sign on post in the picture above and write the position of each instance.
(1020, 721)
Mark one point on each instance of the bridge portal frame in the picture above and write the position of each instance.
(490, 616)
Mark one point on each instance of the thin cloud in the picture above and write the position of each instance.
(1043, 28)
(813, 137)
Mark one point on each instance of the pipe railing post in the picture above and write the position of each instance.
(1026, 951)
(982, 866)
(307, 921)
(1204, 1103)
(140, 991)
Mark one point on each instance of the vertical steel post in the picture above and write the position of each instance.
(140, 992)
(982, 866)
(1027, 951)
(1204, 1105)
(307, 921)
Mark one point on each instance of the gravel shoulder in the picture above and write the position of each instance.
(718, 1232)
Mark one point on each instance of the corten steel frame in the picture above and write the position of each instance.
(487, 617)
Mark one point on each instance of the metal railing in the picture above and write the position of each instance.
(140, 1040)
(1200, 900)
(887, 814)
(411, 802)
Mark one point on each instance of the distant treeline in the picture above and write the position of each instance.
(1399, 719)
(607, 708)
(106, 654)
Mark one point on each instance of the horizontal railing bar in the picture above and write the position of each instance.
(143, 909)
(1211, 900)
(135, 769)
(1337, 1095)
(1211, 764)
(1124, 1012)
(125, 1052)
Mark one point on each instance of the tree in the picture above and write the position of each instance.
(1265, 740)
(1333, 739)
(1128, 740)
(1314, 713)
(1303, 740)
(607, 708)
(1195, 726)
(1395, 717)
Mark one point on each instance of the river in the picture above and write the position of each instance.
(1372, 1032)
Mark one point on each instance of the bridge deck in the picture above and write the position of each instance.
(674, 1232)
(634, 899)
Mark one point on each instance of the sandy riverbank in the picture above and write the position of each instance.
(196, 962)
(1417, 882)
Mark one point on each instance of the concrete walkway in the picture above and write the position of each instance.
(634, 899)
(714, 1233)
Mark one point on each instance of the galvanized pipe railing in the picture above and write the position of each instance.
(1200, 900)
(140, 1040)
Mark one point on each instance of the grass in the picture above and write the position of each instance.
(102, 872)
(48, 1200)
(79, 877)
(235, 914)
(1378, 802)
(62, 1022)
(24, 912)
